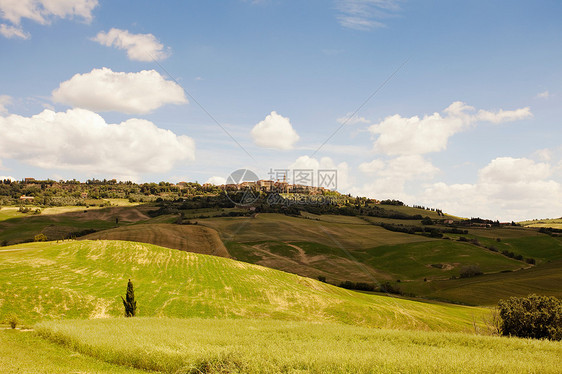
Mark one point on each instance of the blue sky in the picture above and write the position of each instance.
(469, 121)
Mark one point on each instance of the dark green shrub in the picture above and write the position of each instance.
(534, 316)
(470, 271)
(427, 221)
(389, 288)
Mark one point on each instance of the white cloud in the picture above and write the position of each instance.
(139, 47)
(365, 14)
(276, 132)
(5, 100)
(372, 167)
(3, 177)
(506, 170)
(353, 120)
(392, 176)
(397, 135)
(217, 181)
(543, 95)
(41, 11)
(81, 140)
(13, 32)
(133, 93)
(507, 189)
(343, 179)
(503, 115)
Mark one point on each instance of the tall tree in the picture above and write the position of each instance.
(129, 302)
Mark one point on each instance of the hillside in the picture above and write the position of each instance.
(368, 243)
(191, 238)
(350, 248)
(61, 222)
(84, 279)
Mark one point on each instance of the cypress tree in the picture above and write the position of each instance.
(129, 302)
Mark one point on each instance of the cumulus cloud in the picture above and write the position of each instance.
(41, 11)
(104, 90)
(217, 181)
(276, 132)
(5, 100)
(13, 32)
(325, 164)
(390, 176)
(3, 177)
(507, 189)
(397, 135)
(365, 14)
(139, 47)
(514, 170)
(81, 140)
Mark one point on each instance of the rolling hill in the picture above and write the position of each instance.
(83, 279)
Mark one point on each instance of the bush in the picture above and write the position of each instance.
(387, 287)
(360, 286)
(12, 320)
(470, 271)
(40, 238)
(538, 317)
(427, 221)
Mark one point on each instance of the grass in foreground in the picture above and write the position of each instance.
(25, 352)
(258, 346)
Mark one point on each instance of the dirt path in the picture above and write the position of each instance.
(303, 258)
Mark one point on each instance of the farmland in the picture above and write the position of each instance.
(83, 279)
(211, 314)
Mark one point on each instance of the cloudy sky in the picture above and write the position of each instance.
(453, 105)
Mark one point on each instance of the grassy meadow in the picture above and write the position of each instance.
(266, 346)
(84, 279)
(23, 351)
(58, 222)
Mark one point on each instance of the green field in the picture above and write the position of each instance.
(555, 223)
(207, 314)
(339, 248)
(348, 248)
(487, 289)
(23, 351)
(59, 222)
(264, 346)
(84, 280)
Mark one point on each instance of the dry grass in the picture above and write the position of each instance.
(190, 238)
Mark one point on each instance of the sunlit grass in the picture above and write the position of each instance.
(266, 346)
(85, 279)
